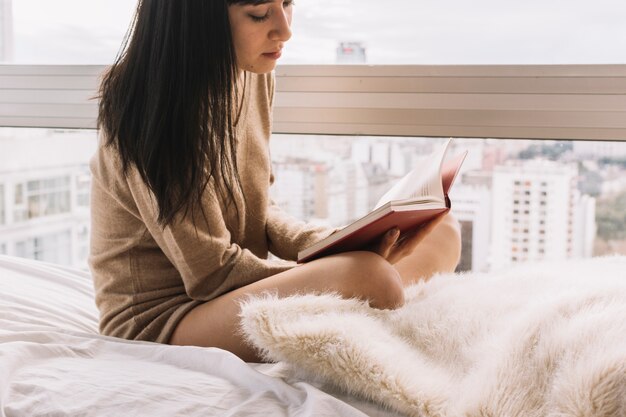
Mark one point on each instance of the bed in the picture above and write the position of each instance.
(535, 340)
(53, 362)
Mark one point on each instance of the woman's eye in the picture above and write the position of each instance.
(259, 18)
(256, 18)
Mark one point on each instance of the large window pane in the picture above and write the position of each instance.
(351, 31)
(517, 200)
(2, 208)
(63, 31)
(459, 32)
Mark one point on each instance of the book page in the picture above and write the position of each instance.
(423, 180)
(450, 170)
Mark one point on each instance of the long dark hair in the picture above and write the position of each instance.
(169, 102)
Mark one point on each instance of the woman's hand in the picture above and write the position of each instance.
(393, 248)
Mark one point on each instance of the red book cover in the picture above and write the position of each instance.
(427, 198)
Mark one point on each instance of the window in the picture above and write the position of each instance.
(48, 197)
(82, 243)
(47, 193)
(83, 185)
(352, 31)
(75, 32)
(20, 212)
(2, 208)
(458, 32)
(374, 163)
(332, 179)
(52, 247)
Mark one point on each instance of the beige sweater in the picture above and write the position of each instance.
(147, 278)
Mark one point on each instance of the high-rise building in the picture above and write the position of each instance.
(536, 213)
(600, 149)
(397, 157)
(44, 202)
(348, 193)
(316, 191)
(378, 182)
(471, 206)
(351, 53)
(300, 188)
(6, 31)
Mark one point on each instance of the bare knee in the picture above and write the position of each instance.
(375, 280)
(450, 234)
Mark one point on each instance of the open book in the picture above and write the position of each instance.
(417, 198)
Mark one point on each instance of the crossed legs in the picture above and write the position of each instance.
(363, 275)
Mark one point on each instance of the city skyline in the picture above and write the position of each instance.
(565, 221)
(328, 180)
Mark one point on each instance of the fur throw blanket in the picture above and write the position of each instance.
(537, 340)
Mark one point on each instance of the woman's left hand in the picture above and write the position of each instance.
(393, 246)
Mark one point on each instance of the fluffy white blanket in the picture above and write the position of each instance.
(542, 340)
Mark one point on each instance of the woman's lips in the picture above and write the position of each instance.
(273, 55)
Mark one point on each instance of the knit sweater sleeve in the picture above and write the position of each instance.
(287, 235)
(201, 248)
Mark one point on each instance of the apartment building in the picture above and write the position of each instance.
(44, 201)
(472, 208)
(537, 212)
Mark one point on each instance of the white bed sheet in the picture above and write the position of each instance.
(53, 362)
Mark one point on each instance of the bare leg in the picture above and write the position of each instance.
(363, 275)
(440, 251)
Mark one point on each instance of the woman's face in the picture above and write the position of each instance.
(259, 32)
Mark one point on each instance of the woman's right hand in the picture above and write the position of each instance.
(393, 248)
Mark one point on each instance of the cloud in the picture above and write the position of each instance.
(395, 32)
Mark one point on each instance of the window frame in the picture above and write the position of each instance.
(570, 102)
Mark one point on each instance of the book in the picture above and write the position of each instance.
(418, 197)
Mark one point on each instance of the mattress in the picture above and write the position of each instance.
(53, 362)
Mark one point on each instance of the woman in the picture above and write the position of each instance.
(181, 219)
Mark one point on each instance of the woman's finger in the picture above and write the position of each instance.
(388, 241)
(410, 241)
(428, 227)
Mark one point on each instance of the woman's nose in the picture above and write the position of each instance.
(282, 27)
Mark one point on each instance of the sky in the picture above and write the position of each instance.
(394, 32)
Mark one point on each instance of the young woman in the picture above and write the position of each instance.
(181, 219)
